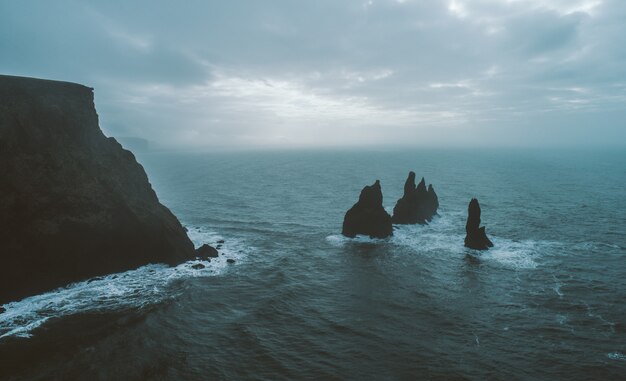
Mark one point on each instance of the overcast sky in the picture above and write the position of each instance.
(289, 73)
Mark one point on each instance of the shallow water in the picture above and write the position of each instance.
(303, 302)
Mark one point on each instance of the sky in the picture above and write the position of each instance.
(329, 73)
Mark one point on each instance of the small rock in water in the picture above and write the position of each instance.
(198, 266)
(2, 310)
(218, 247)
(206, 251)
(230, 260)
(220, 241)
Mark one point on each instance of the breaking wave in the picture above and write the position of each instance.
(134, 289)
(445, 235)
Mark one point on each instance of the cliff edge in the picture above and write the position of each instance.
(73, 203)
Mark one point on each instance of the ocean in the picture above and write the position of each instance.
(548, 302)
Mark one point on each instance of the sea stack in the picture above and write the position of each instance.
(476, 237)
(367, 216)
(74, 204)
(418, 205)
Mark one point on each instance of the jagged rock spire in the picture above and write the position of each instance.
(418, 204)
(476, 237)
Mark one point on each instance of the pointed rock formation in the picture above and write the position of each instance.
(432, 202)
(368, 216)
(418, 204)
(476, 237)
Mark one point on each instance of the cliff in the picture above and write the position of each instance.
(73, 203)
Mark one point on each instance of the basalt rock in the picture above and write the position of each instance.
(206, 251)
(367, 216)
(476, 237)
(418, 205)
(74, 204)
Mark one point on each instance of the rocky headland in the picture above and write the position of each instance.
(74, 204)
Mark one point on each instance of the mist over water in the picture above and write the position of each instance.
(302, 301)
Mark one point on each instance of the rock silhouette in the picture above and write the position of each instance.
(206, 251)
(74, 204)
(418, 205)
(476, 237)
(367, 216)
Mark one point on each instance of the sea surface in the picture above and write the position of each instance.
(548, 302)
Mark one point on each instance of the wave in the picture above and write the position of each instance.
(134, 289)
(339, 240)
(597, 246)
(616, 356)
(442, 236)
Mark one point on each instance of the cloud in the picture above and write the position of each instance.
(283, 73)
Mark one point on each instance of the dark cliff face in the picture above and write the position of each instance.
(367, 216)
(73, 203)
(418, 205)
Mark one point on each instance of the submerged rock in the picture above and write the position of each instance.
(367, 216)
(198, 266)
(206, 251)
(230, 260)
(2, 309)
(476, 237)
(418, 205)
(73, 203)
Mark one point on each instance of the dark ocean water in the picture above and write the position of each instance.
(548, 302)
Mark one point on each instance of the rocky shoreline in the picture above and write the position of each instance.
(74, 204)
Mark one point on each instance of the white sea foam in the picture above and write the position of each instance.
(131, 289)
(596, 246)
(446, 234)
(514, 254)
(339, 240)
(617, 356)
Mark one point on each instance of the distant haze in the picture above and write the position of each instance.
(328, 73)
